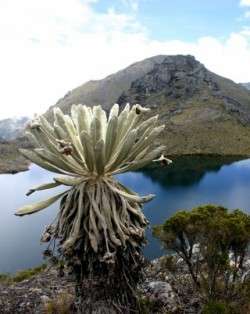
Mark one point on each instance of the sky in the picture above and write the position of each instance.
(48, 47)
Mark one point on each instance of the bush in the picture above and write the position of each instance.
(216, 308)
(214, 244)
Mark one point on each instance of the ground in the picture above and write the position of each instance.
(34, 295)
(43, 291)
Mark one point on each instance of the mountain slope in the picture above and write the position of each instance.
(10, 129)
(108, 90)
(246, 85)
(11, 161)
(204, 113)
(11, 139)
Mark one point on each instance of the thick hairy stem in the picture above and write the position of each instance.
(110, 285)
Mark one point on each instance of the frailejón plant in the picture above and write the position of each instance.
(99, 221)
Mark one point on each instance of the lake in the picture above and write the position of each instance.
(188, 182)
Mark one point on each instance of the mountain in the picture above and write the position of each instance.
(11, 160)
(204, 113)
(10, 129)
(246, 85)
(11, 139)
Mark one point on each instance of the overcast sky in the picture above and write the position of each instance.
(48, 47)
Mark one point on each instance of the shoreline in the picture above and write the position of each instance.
(10, 165)
(14, 166)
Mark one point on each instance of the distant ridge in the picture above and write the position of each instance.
(12, 128)
(246, 85)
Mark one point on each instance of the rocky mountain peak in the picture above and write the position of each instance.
(176, 77)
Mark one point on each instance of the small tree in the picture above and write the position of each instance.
(214, 244)
(100, 226)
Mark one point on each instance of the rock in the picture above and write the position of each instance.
(176, 77)
(45, 299)
(36, 290)
(162, 291)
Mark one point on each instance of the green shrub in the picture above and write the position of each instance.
(4, 278)
(28, 273)
(216, 308)
(214, 243)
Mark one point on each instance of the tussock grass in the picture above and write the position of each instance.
(61, 304)
(21, 275)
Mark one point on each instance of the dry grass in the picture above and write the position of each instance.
(61, 304)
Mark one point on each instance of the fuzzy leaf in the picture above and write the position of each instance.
(41, 187)
(33, 208)
(69, 181)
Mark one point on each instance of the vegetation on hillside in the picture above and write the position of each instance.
(21, 275)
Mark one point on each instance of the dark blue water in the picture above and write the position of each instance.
(188, 182)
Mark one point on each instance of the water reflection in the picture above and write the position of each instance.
(188, 183)
(185, 171)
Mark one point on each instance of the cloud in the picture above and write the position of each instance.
(247, 14)
(50, 47)
(133, 4)
(245, 2)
